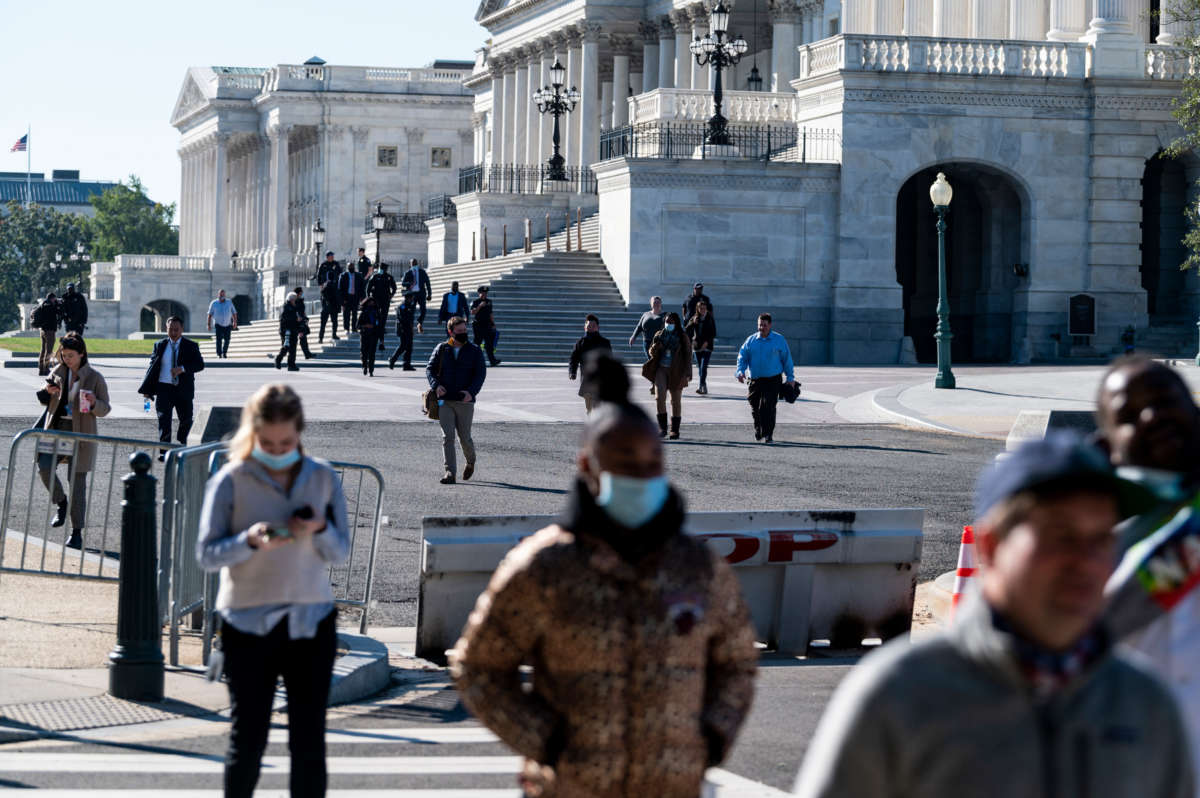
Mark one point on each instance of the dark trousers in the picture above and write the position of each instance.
(253, 664)
(288, 349)
(169, 399)
(48, 471)
(349, 313)
(405, 348)
(74, 327)
(702, 359)
(329, 312)
(382, 328)
(764, 395)
(366, 340)
(419, 299)
(486, 338)
(302, 336)
(223, 334)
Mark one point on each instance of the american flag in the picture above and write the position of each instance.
(21, 145)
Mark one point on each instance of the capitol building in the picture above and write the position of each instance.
(1047, 117)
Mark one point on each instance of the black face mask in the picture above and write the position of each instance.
(460, 337)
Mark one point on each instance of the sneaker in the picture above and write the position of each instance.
(468, 471)
(447, 479)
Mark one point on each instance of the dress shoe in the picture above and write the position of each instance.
(364, 371)
(391, 362)
(447, 478)
(468, 471)
(769, 439)
(757, 434)
(75, 541)
(335, 337)
(410, 368)
(293, 368)
(60, 517)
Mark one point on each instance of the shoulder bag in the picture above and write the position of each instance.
(429, 400)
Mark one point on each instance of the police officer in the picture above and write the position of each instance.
(404, 329)
(75, 310)
(327, 279)
(382, 287)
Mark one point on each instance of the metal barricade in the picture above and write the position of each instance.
(187, 588)
(25, 529)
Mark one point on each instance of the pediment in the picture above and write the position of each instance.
(489, 7)
(191, 97)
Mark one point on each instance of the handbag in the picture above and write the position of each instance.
(429, 400)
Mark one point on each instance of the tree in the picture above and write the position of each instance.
(29, 239)
(127, 221)
(1184, 17)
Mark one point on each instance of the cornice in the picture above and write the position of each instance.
(505, 14)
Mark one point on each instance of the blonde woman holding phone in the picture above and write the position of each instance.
(273, 521)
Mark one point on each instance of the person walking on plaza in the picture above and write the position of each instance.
(74, 395)
(648, 325)
(327, 282)
(350, 294)
(404, 331)
(483, 324)
(669, 367)
(368, 332)
(1150, 426)
(454, 303)
(171, 380)
(46, 318)
(455, 373)
(765, 360)
(222, 314)
(304, 329)
(273, 522)
(74, 310)
(641, 641)
(1024, 694)
(592, 341)
(702, 332)
(289, 332)
(416, 281)
(697, 296)
(381, 287)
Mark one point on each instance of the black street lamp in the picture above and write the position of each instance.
(551, 100)
(754, 82)
(318, 239)
(941, 193)
(379, 220)
(713, 49)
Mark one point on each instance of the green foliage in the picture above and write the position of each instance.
(127, 221)
(29, 239)
(1186, 13)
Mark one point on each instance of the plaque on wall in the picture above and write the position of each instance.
(1081, 315)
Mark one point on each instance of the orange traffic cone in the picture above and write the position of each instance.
(966, 567)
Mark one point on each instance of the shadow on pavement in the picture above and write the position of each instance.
(511, 486)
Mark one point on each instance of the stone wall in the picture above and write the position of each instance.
(495, 211)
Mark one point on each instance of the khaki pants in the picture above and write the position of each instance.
(47, 351)
(455, 416)
(661, 390)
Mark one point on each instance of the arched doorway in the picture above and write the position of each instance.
(1164, 197)
(987, 242)
(155, 314)
(242, 306)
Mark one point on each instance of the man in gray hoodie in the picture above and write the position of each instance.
(1024, 695)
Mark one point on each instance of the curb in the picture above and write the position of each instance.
(362, 671)
(887, 401)
(941, 597)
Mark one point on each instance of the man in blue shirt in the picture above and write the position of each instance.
(765, 357)
(221, 313)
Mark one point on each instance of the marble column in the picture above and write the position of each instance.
(1026, 20)
(546, 123)
(280, 184)
(666, 53)
(783, 15)
(521, 103)
(509, 114)
(497, 151)
(184, 204)
(1113, 17)
(570, 125)
(220, 198)
(700, 25)
(1117, 39)
(622, 47)
(1171, 32)
(649, 82)
(589, 91)
(951, 18)
(856, 15)
(1068, 20)
(682, 22)
(889, 17)
(533, 139)
(606, 104)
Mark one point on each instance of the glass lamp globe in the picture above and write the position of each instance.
(940, 192)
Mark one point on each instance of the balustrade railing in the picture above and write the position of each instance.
(188, 263)
(524, 179)
(856, 53)
(686, 141)
(398, 223)
(1168, 63)
(695, 105)
(440, 206)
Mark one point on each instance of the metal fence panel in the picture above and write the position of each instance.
(685, 141)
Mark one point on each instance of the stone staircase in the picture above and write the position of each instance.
(1174, 337)
(540, 300)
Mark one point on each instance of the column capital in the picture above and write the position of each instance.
(784, 12)
(279, 130)
(698, 14)
(545, 47)
(589, 31)
(680, 18)
(561, 38)
(360, 133)
(649, 32)
(621, 44)
(666, 29)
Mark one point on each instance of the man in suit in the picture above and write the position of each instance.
(416, 281)
(327, 279)
(382, 287)
(171, 380)
(454, 303)
(351, 290)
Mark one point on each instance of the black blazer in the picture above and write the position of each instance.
(422, 283)
(360, 287)
(189, 358)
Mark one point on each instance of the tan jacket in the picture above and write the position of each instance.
(680, 372)
(87, 378)
(642, 673)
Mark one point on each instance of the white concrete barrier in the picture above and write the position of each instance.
(836, 575)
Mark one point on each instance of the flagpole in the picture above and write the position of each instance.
(28, 167)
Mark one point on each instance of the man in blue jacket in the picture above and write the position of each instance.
(766, 359)
(455, 372)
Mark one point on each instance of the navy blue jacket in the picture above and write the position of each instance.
(456, 374)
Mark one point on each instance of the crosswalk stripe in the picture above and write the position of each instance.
(429, 734)
(178, 763)
(459, 792)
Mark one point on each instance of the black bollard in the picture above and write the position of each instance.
(136, 664)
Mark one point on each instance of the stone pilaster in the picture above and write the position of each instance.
(521, 103)
(280, 243)
(1026, 20)
(681, 20)
(700, 26)
(220, 198)
(569, 134)
(589, 90)
(497, 64)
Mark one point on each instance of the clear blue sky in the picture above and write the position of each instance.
(98, 81)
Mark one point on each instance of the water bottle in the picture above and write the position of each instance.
(146, 404)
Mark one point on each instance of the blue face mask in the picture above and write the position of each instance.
(276, 462)
(669, 327)
(1166, 485)
(631, 501)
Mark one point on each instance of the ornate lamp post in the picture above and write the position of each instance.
(379, 220)
(714, 50)
(941, 194)
(551, 100)
(80, 257)
(318, 239)
(754, 82)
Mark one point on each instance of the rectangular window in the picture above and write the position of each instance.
(385, 156)
(440, 158)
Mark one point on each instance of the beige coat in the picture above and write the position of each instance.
(87, 378)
